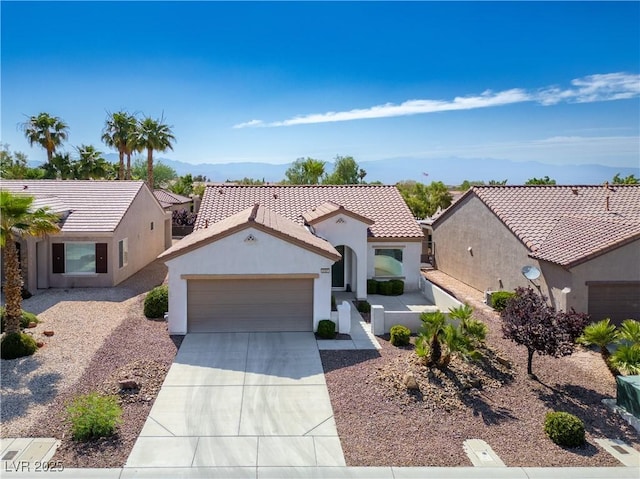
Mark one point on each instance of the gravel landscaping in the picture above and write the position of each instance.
(381, 424)
(101, 336)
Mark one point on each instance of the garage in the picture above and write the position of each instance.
(615, 300)
(249, 304)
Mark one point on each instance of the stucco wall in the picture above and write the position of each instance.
(496, 257)
(345, 230)
(411, 251)
(621, 264)
(233, 255)
(145, 244)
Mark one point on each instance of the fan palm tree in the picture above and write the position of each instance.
(601, 334)
(132, 143)
(47, 131)
(154, 135)
(18, 219)
(91, 163)
(117, 134)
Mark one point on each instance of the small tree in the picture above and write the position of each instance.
(529, 321)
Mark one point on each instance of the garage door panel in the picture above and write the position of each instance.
(618, 301)
(250, 305)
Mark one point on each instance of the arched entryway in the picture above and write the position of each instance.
(344, 272)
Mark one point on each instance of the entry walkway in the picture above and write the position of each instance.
(241, 400)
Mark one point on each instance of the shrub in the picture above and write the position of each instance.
(400, 335)
(25, 319)
(157, 302)
(17, 345)
(384, 288)
(564, 429)
(94, 415)
(499, 299)
(372, 286)
(326, 329)
(397, 287)
(363, 306)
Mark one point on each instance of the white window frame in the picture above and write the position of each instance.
(123, 253)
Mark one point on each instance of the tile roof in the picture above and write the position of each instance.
(328, 209)
(96, 206)
(258, 217)
(168, 198)
(566, 224)
(381, 204)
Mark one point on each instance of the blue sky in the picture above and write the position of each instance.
(271, 82)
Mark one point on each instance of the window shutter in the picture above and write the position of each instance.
(57, 257)
(101, 258)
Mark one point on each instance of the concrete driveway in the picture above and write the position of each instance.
(241, 400)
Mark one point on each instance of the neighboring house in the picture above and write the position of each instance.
(109, 231)
(585, 240)
(174, 202)
(268, 257)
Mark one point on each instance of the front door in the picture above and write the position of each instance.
(337, 270)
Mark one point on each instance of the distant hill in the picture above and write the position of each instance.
(451, 171)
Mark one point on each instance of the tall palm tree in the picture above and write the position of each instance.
(117, 132)
(18, 219)
(133, 142)
(154, 135)
(91, 163)
(47, 131)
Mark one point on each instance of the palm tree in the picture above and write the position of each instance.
(154, 135)
(601, 334)
(133, 142)
(17, 220)
(47, 131)
(117, 133)
(91, 163)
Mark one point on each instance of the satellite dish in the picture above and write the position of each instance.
(530, 272)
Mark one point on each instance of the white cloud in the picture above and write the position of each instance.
(592, 88)
(246, 124)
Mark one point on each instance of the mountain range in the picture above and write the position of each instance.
(451, 171)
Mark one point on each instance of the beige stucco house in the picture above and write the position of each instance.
(585, 240)
(268, 257)
(109, 230)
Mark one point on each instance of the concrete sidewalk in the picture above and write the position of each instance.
(237, 400)
(339, 473)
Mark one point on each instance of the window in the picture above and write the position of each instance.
(79, 258)
(123, 253)
(388, 262)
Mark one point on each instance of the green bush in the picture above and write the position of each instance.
(25, 319)
(94, 415)
(564, 429)
(397, 287)
(326, 329)
(499, 299)
(400, 335)
(372, 286)
(157, 302)
(17, 345)
(363, 306)
(384, 288)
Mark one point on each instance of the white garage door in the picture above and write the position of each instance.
(246, 305)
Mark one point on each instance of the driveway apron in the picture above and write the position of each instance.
(242, 400)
